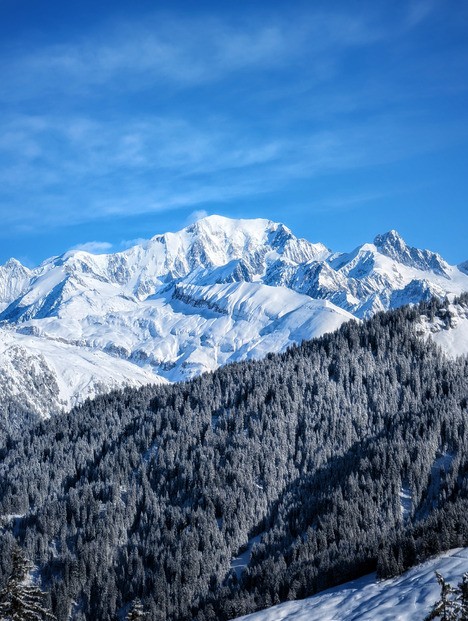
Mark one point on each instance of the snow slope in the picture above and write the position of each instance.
(218, 291)
(406, 598)
(46, 376)
(449, 330)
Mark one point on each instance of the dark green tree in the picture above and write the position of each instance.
(20, 601)
(446, 607)
(463, 597)
(136, 612)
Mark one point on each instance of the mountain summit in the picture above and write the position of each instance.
(219, 290)
(393, 246)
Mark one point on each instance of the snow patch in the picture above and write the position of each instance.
(240, 562)
(406, 598)
(405, 500)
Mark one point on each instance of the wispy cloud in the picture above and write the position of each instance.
(195, 216)
(94, 247)
(142, 54)
(183, 52)
(418, 11)
(164, 113)
(129, 243)
(77, 170)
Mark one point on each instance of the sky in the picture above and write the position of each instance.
(121, 120)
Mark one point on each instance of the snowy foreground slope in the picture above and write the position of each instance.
(182, 303)
(406, 598)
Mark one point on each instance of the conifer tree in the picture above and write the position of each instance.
(20, 601)
(463, 597)
(136, 612)
(446, 607)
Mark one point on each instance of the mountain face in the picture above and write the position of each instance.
(218, 291)
(14, 278)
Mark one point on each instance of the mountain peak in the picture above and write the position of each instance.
(389, 239)
(13, 264)
(393, 246)
(14, 277)
(214, 224)
(215, 221)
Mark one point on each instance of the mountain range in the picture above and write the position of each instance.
(218, 291)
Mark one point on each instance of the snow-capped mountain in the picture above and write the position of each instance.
(218, 291)
(14, 278)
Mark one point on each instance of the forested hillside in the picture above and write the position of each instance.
(341, 455)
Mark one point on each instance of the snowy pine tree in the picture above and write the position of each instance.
(136, 612)
(20, 601)
(446, 608)
(462, 598)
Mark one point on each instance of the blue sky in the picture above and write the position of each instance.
(120, 120)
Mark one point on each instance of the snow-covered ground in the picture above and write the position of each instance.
(454, 341)
(48, 376)
(406, 500)
(450, 334)
(406, 598)
(239, 563)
